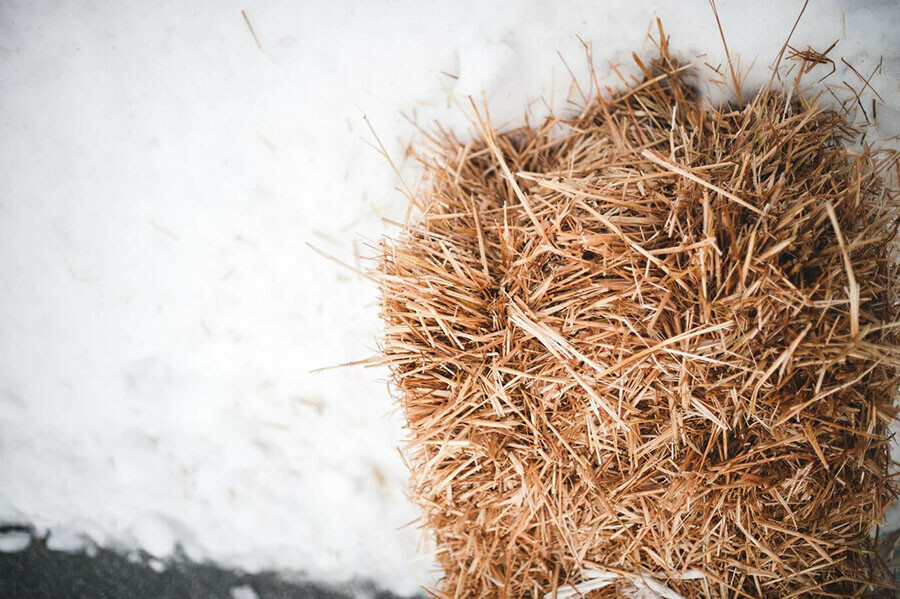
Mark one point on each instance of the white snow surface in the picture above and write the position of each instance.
(243, 592)
(161, 310)
(11, 542)
(67, 540)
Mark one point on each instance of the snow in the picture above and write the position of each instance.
(62, 538)
(243, 592)
(11, 542)
(155, 535)
(162, 313)
(156, 565)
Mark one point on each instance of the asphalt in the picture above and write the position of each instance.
(39, 573)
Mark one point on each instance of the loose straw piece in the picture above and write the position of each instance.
(851, 278)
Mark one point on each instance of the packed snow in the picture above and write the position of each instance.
(163, 174)
(11, 542)
(243, 592)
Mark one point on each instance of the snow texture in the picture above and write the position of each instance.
(11, 542)
(162, 312)
(156, 565)
(243, 592)
(63, 538)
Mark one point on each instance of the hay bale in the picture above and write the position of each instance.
(651, 348)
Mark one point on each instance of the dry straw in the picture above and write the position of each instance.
(651, 350)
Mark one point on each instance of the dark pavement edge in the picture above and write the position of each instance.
(40, 573)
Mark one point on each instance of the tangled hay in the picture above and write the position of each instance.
(651, 349)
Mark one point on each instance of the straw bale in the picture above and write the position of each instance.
(655, 341)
